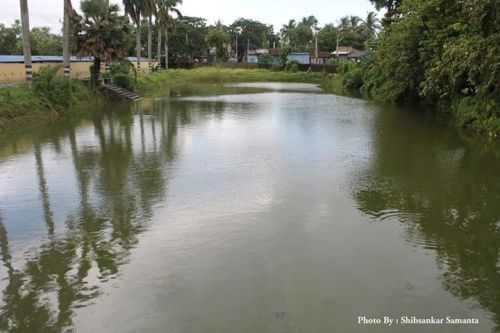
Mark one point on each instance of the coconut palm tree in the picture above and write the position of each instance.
(166, 21)
(68, 9)
(286, 30)
(25, 22)
(149, 11)
(135, 9)
(371, 24)
(100, 33)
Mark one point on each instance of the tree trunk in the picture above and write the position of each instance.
(150, 42)
(25, 21)
(158, 52)
(66, 54)
(166, 49)
(138, 45)
(96, 70)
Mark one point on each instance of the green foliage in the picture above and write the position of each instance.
(10, 39)
(101, 33)
(327, 38)
(353, 79)
(216, 38)
(58, 93)
(172, 77)
(442, 52)
(43, 42)
(265, 59)
(124, 81)
(51, 95)
(188, 37)
(251, 33)
(292, 66)
(391, 7)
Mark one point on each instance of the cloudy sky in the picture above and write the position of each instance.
(275, 12)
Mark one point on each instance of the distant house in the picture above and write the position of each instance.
(199, 57)
(252, 57)
(12, 66)
(323, 57)
(302, 57)
(348, 53)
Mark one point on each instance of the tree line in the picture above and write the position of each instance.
(164, 33)
(441, 53)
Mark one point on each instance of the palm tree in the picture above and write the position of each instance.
(68, 9)
(149, 11)
(310, 21)
(286, 30)
(100, 33)
(25, 22)
(371, 24)
(166, 21)
(134, 9)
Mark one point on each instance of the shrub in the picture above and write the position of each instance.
(292, 66)
(353, 79)
(56, 92)
(265, 59)
(124, 81)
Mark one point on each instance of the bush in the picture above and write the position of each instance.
(124, 74)
(292, 66)
(265, 59)
(124, 81)
(278, 65)
(58, 93)
(353, 79)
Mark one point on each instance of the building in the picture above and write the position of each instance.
(12, 66)
(303, 58)
(323, 57)
(348, 53)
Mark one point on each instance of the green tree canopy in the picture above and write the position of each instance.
(101, 32)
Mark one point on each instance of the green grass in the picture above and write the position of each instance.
(52, 97)
(173, 77)
(22, 106)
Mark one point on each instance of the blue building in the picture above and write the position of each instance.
(302, 57)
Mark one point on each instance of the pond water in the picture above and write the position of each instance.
(247, 208)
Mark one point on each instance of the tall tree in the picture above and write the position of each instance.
(100, 33)
(392, 8)
(217, 38)
(166, 21)
(135, 9)
(68, 9)
(149, 11)
(286, 31)
(351, 31)
(251, 33)
(371, 24)
(25, 21)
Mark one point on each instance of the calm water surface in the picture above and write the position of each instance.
(247, 208)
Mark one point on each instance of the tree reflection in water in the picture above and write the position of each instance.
(119, 183)
(446, 195)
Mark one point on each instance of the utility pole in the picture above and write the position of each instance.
(316, 48)
(66, 56)
(337, 48)
(25, 22)
(236, 53)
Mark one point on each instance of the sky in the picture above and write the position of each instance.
(275, 12)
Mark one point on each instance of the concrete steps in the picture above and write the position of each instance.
(121, 92)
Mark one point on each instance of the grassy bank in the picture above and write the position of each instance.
(173, 77)
(50, 98)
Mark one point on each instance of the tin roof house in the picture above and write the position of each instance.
(348, 53)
